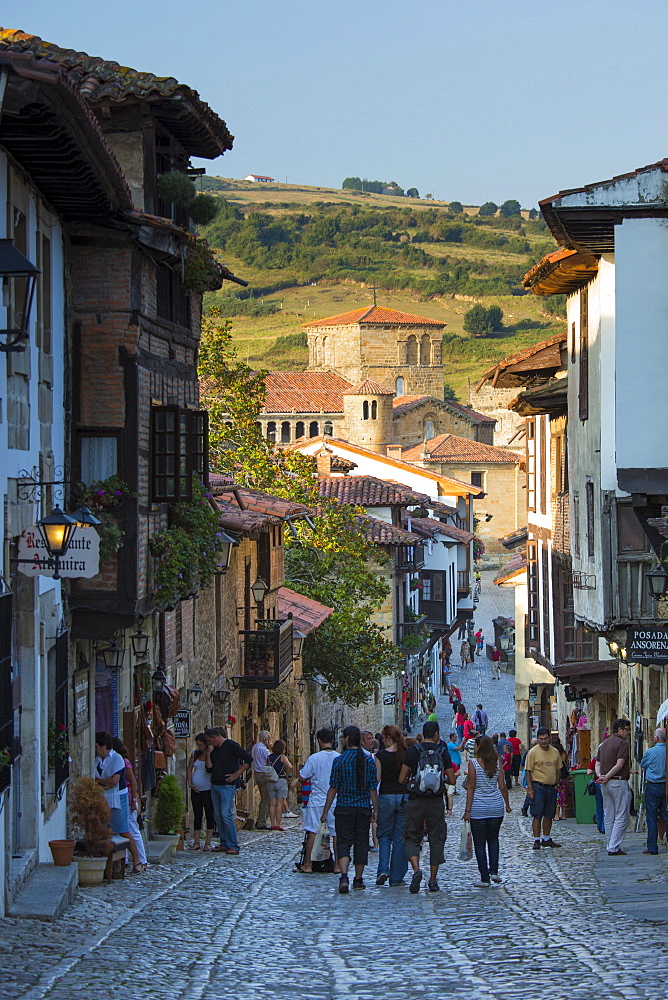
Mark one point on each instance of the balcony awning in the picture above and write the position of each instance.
(307, 614)
(599, 676)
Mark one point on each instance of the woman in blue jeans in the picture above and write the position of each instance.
(392, 798)
(486, 801)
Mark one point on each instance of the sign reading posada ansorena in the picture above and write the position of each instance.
(647, 644)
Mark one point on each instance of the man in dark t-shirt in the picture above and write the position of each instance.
(225, 762)
(424, 810)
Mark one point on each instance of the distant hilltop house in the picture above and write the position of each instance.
(260, 178)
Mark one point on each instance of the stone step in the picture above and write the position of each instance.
(159, 852)
(47, 893)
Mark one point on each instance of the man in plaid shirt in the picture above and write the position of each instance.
(353, 783)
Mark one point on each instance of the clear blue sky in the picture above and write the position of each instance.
(471, 101)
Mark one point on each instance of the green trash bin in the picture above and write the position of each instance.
(585, 805)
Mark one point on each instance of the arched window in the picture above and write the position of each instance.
(425, 350)
(329, 427)
(412, 350)
(314, 352)
(429, 429)
(285, 432)
(299, 429)
(365, 410)
(313, 429)
(324, 356)
(271, 431)
(374, 409)
(400, 386)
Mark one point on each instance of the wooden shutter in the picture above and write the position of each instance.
(583, 394)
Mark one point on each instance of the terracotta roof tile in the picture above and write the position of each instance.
(492, 374)
(381, 533)
(441, 509)
(453, 448)
(377, 315)
(304, 392)
(244, 521)
(457, 533)
(101, 81)
(402, 404)
(467, 411)
(561, 272)
(367, 491)
(307, 614)
(256, 501)
(515, 566)
(369, 388)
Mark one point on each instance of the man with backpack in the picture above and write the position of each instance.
(426, 767)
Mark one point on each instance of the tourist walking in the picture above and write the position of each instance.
(426, 768)
(317, 770)
(278, 789)
(543, 767)
(486, 802)
(460, 719)
(225, 762)
(473, 642)
(518, 747)
(614, 770)
(479, 642)
(461, 634)
(199, 783)
(496, 659)
(465, 654)
(480, 720)
(562, 783)
(392, 799)
(506, 760)
(653, 764)
(259, 752)
(454, 748)
(132, 792)
(110, 775)
(352, 782)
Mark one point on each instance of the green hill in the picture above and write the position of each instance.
(313, 252)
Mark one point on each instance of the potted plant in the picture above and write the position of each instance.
(90, 815)
(62, 852)
(168, 816)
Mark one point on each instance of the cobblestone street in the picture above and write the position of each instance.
(223, 927)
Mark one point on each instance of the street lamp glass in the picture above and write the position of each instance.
(504, 642)
(139, 642)
(297, 643)
(658, 581)
(195, 694)
(15, 267)
(159, 678)
(57, 529)
(259, 589)
(85, 518)
(113, 657)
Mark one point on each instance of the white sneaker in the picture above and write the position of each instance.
(482, 885)
(289, 815)
(496, 878)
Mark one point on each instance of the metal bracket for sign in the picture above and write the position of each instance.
(584, 581)
(31, 489)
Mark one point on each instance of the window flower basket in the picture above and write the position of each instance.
(416, 585)
(478, 549)
(202, 272)
(58, 745)
(104, 498)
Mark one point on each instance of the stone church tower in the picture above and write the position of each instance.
(368, 416)
(394, 349)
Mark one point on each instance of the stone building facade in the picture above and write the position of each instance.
(398, 350)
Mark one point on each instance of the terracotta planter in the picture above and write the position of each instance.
(62, 852)
(91, 870)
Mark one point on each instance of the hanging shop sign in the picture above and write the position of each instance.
(82, 559)
(81, 695)
(647, 644)
(182, 723)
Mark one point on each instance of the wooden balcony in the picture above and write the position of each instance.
(463, 582)
(408, 558)
(267, 654)
(631, 598)
(412, 636)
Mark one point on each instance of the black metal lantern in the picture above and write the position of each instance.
(113, 656)
(57, 529)
(259, 589)
(139, 642)
(195, 695)
(226, 545)
(159, 678)
(85, 518)
(658, 581)
(19, 279)
(297, 643)
(301, 684)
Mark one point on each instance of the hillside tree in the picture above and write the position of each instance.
(456, 206)
(489, 208)
(412, 193)
(476, 321)
(510, 208)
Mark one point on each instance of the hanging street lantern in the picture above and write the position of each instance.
(297, 643)
(658, 581)
(113, 656)
(227, 543)
(195, 695)
(19, 280)
(259, 589)
(139, 642)
(85, 517)
(159, 679)
(57, 529)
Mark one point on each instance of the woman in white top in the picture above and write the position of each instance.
(200, 793)
(486, 800)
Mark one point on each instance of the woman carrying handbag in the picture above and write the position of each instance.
(486, 801)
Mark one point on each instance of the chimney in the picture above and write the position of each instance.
(324, 464)
(394, 451)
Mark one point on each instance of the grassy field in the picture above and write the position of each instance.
(524, 323)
